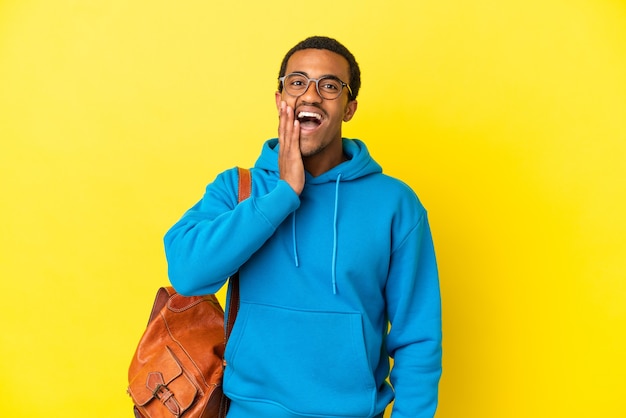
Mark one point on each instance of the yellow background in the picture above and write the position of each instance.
(508, 119)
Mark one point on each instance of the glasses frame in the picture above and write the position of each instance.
(317, 85)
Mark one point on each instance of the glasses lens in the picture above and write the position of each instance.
(329, 88)
(296, 84)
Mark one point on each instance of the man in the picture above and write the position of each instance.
(336, 261)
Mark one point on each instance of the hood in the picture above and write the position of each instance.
(359, 164)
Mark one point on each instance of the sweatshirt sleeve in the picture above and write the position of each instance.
(218, 235)
(414, 311)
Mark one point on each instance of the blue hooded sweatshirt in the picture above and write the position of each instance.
(333, 283)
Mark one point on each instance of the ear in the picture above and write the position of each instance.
(279, 98)
(350, 110)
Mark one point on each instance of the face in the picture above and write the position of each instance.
(320, 119)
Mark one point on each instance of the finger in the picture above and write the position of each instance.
(281, 122)
(288, 134)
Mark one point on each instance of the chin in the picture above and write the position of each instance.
(307, 152)
(309, 148)
(310, 152)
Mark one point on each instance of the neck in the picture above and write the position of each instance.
(317, 165)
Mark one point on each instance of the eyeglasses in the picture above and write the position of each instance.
(329, 87)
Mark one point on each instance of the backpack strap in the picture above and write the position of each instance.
(245, 184)
(245, 188)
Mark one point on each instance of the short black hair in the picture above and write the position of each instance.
(330, 44)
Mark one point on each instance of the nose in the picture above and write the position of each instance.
(311, 95)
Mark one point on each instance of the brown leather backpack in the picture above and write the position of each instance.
(178, 365)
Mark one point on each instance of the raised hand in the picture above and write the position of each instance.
(290, 164)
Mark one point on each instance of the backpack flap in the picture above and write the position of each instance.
(162, 382)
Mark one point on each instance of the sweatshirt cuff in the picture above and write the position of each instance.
(279, 203)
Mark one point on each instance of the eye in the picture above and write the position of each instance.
(330, 85)
(296, 82)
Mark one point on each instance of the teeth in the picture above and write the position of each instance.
(309, 115)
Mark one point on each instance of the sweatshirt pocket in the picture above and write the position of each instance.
(309, 362)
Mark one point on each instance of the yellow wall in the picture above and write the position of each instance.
(508, 118)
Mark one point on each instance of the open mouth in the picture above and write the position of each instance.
(309, 119)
